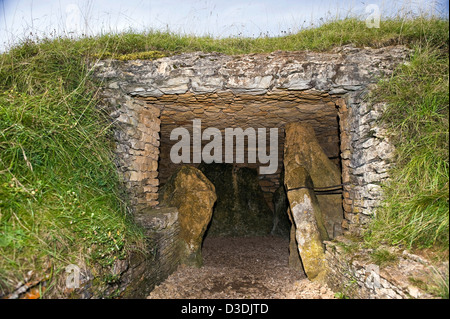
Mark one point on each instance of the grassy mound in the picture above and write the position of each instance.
(416, 212)
(60, 202)
(60, 195)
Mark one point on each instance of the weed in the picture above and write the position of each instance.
(382, 257)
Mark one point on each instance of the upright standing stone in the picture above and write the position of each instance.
(281, 224)
(294, 257)
(241, 209)
(194, 196)
(307, 216)
(301, 146)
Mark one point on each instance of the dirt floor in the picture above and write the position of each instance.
(241, 268)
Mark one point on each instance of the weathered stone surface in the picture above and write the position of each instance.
(351, 271)
(307, 216)
(345, 69)
(257, 90)
(301, 147)
(256, 85)
(241, 209)
(194, 196)
(178, 85)
(294, 257)
(157, 219)
(366, 154)
(141, 272)
(136, 135)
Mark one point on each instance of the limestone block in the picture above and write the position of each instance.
(206, 84)
(257, 84)
(307, 216)
(302, 148)
(298, 82)
(177, 85)
(194, 196)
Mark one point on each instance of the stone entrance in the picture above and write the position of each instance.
(228, 110)
(326, 91)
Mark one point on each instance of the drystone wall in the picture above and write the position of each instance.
(137, 147)
(352, 272)
(342, 77)
(366, 156)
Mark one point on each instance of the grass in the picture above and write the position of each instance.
(60, 195)
(382, 257)
(416, 211)
(436, 284)
(439, 284)
(149, 45)
(60, 200)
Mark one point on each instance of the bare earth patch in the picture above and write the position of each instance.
(241, 268)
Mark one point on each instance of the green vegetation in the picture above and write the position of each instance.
(416, 213)
(439, 284)
(436, 284)
(341, 295)
(382, 257)
(146, 55)
(60, 196)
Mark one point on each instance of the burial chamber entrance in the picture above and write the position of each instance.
(245, 183)
(324, 93)
(248, 175)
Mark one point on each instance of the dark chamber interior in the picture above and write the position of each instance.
(249, 203)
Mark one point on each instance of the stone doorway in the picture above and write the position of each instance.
(227, 110)
(326, 90)
(319, 111)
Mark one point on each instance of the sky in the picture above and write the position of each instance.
(20, 19)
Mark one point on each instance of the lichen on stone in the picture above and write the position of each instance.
(145, 55)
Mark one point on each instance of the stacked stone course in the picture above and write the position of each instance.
(327, 90)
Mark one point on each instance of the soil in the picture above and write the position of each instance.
(241, 268)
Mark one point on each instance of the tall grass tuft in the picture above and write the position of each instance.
(417, 197)
(59, 197)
